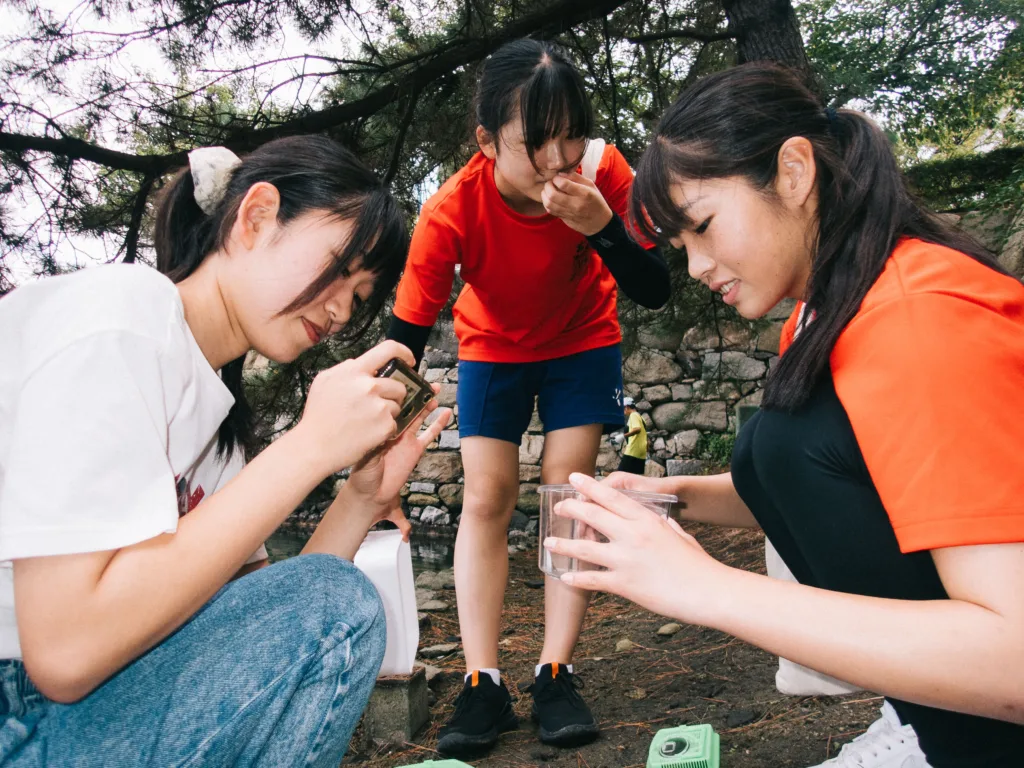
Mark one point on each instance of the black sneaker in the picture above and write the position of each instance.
(564, 717)
(482, 711)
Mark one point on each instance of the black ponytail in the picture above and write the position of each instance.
(734, 123)
(311, 173)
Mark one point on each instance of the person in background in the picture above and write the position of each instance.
(893, 493)
(140, 623)
(634, 451)
(535, 222)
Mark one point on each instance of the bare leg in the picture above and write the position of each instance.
(481, 546)
(566, 451)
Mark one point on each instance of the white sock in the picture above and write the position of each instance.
(536, 670)
(494, 673)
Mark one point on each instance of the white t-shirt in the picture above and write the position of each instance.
(108, 419)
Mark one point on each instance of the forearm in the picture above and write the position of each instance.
(110, 608)
(950, 654)
(709, 499)
(411, 335)
(342, 528)
(641, 273)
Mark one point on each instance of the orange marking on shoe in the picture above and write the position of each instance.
(554, 670)
(476, 678)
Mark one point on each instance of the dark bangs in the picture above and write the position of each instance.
(379, 243)
(553, 102)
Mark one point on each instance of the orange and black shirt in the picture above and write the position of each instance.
(930, 372)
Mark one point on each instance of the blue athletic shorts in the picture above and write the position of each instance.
(496, 399)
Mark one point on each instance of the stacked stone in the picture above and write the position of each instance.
(684, 385)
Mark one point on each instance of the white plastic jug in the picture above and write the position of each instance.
(387, 562)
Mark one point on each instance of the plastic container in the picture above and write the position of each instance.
(387, 562)
(566, 528)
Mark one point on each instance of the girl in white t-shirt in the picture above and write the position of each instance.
(126, 509)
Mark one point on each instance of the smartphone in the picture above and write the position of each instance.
(418, 393)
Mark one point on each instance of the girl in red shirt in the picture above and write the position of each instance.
(534, 222)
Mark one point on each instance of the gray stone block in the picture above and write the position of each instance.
(397, 710)
(449, 439)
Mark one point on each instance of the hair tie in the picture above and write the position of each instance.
(211, 169)
(832, 117)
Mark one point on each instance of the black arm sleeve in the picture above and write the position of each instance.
(642, 274)
(412, 336)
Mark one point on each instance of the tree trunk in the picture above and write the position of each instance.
(767, 30)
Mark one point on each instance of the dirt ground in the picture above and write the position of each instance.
(695, 676)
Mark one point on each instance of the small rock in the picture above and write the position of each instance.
(424, 620)
(422, 500)
(543, 755)
(427, 580)
(445, 578)
(534, 583)
(434, 606)
(422, 487)
(430, 671)
(533, 526)
(740, 717)
(437, 651)
(519, 521)
(431, 698)
(449, 440)
(623, 645)
(425, 596)
(667, 630)
(636, 694)
(435, 516)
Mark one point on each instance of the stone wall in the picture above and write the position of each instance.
(685, 385)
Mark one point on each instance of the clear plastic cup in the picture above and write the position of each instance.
(566, 528)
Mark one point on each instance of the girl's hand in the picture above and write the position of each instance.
(578, 202)
(650, 560)
(376, 480)
(349, 411)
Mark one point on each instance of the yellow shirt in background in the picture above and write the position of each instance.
(636, 446)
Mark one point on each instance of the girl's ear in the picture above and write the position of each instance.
(485, 140)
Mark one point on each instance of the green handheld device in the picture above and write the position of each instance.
(688, 746)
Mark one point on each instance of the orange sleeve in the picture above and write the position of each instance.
(932, 384)
(614, 180)
(789, 329)
(426, 283)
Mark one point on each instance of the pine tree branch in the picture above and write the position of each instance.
(552, 20)
(688, 33)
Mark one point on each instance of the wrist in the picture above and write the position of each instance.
(602, 223)
(358, 504)
(295, 451)
(720, 594)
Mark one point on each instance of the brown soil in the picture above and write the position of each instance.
(696, 676)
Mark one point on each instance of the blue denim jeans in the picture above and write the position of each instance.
(274, 671)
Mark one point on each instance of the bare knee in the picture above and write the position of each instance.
(490, 499)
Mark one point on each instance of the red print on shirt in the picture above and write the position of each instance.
(187, 498)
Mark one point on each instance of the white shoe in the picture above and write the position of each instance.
(886, 744)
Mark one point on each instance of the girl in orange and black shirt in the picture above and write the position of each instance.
(886, 465)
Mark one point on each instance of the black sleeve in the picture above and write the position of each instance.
(642, 274)
(412, 336)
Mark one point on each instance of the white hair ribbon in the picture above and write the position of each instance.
(211, 171)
